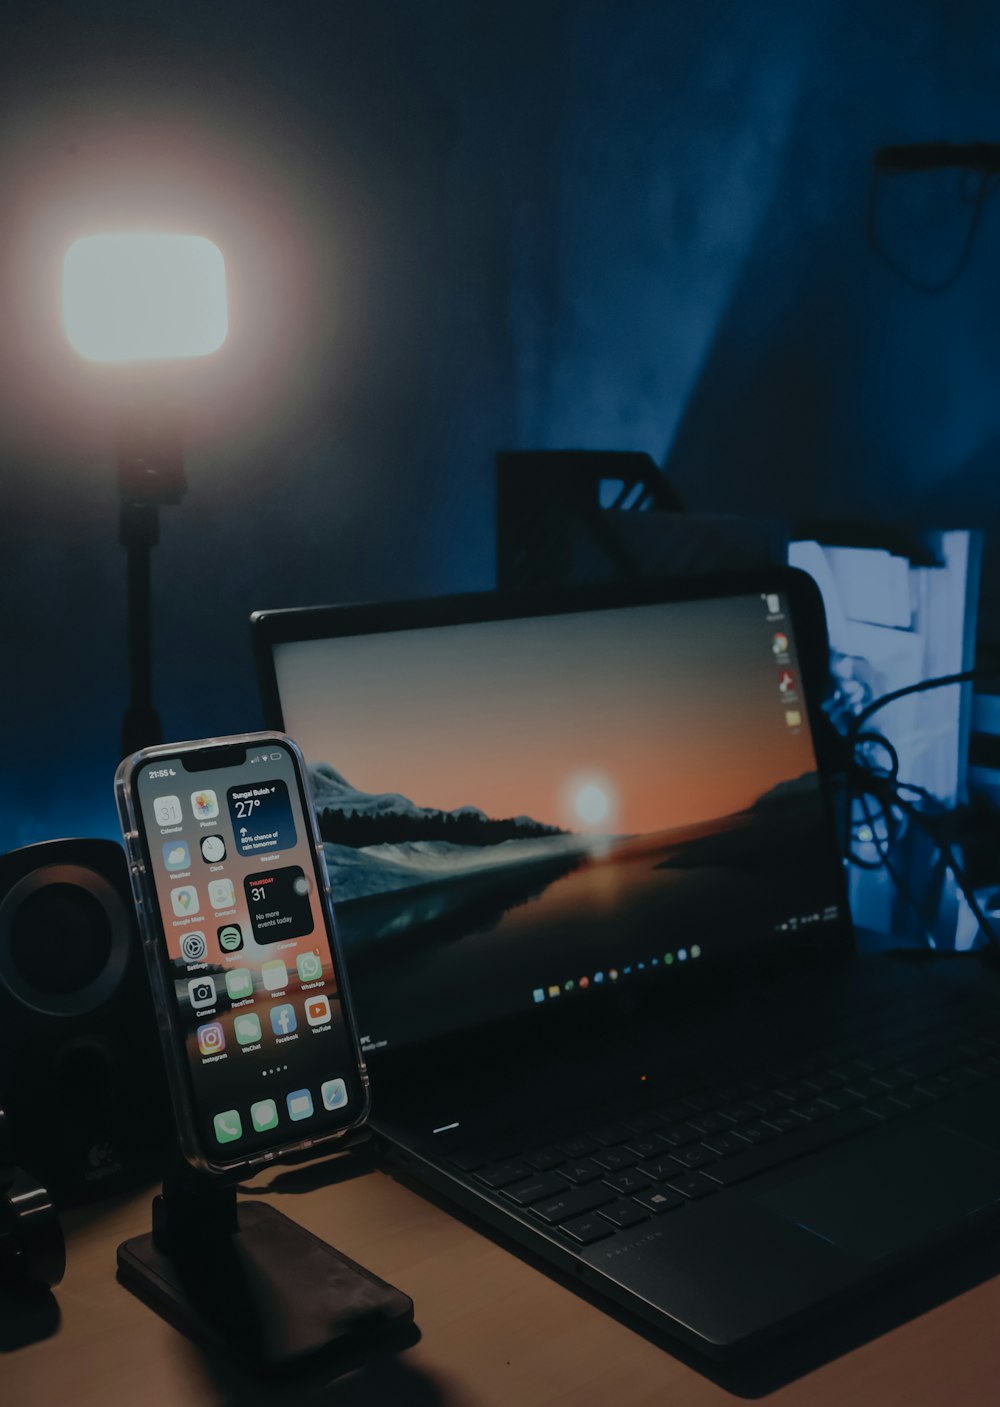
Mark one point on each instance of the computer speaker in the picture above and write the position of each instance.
(81, 1072)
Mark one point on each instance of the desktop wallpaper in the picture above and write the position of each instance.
(511, 806)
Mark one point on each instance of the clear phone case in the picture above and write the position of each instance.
(147, 910)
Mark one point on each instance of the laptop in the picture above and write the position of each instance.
(593, 912)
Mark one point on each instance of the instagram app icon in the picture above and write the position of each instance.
(211, 1038)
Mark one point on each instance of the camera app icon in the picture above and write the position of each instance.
(211, 1038)
(201, 992)
(193, 947)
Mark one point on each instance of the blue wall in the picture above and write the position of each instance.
(635, 225)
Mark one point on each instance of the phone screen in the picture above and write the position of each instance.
(248, 953)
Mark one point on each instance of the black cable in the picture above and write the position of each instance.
(986, 182)
(964, 676)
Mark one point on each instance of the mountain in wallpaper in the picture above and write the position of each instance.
(377, 843)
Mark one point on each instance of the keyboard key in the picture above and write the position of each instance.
(744, 1113)
(574, 1202)
(504, 1152)
(756, 1133)
(496, 1175)
(783, 1121)
(645, 1123)
(937, 1086)
(812, 1111)
(887, 1107)
(629, 1182)
(695, 1155)
(586, 1229)
(544, 1159)
(645, 1147)
(807, 1139)
(614, 1159)
(659, 1169)
(676, 1135)
(576, 1147)
(726, 1144)
(659, 1199)
(707, 1099)
(583, 1171)
(710, 1123)
(843, 1098)
(694, 1184)
(624, 1213)
(523, 1194)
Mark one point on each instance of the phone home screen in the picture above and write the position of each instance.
(269, 1055)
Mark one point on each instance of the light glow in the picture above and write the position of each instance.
(144, 297)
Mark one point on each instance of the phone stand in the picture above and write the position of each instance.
(243, 1277)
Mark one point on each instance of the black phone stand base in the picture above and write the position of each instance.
(246, 1279)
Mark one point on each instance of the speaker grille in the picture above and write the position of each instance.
(60, 939)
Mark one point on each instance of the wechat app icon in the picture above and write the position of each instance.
(310, 967)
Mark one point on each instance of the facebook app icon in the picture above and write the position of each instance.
(283, 1020)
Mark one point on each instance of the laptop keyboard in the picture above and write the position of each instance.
(588, 1181)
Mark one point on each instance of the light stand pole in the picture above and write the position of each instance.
(150, 473)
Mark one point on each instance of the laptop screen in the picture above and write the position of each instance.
(520, 813)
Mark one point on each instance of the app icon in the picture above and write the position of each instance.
(584, 983)
(786, 682)
(239, 983)
(221, 894)
(613, 973)
(682, 954)
(793, 717)
(211, 1038)
(184, 900)
(201, 992)
(334, 1094)
(167, 810)
(247, 1028)
(553, 991)
(318, 1010)
(695, 950)
(538, 995)
(309, 967)
(205, 805)
(264, 1115)
(193, 947)
(213, 849)
(283, 1019)
(176, 855)
(274, 974)
(598, 977)
(773, 603)
(568, 986)
(300, 1104)
(230, 937)
(780, 643)
(228, 1126)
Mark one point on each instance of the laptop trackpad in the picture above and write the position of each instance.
(884, 1194)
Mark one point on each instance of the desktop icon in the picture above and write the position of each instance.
(538, 995)
(167, 810)
(283, 1019)
(247, 1028)
(318, 1010)
(334, 1093)
(201, 992)
(584, 982)
(274, 975)
(184, 900)
(682, 954)
(211, 1038)
(228, 1126)
(239, 983)
(780, 643)
(695, 950)
(786, 682)
(204, 805)
(613, 974)
(598, 977)
(213, 849)
(553, 991)
(264, 1115)
(176, 855)
(309, 966)
(773, 603)
(793, 717)
(300, 1104)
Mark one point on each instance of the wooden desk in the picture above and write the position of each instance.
(493, 1330)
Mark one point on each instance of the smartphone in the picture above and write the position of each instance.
(233, 898)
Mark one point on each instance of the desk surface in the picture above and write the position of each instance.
(494, 1329)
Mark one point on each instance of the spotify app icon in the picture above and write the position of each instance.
(230, 937)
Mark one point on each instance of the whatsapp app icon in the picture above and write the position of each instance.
(310, 966)
(230, 937)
